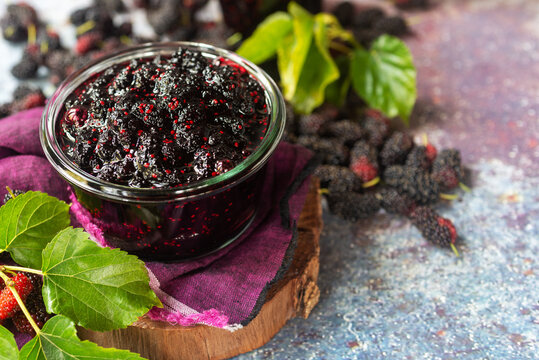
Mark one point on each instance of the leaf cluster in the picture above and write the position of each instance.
(96, 288)
(318, 60)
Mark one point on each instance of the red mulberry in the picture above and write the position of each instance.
(8, 303)
(363, 161)
(433, 227)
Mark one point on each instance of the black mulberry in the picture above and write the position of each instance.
(312, 123)
(344, 12)
(416, 184)
(348, 131)
(396, 148)
(25, 69)
(331, 150)
(353, 206)
(337, 178)
(376, 129)
(367, 18)
(447, 169)
(394, 202)
(393, 25)
(418, 158)
(433, 227)
(8, 196)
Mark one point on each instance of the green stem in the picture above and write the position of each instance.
(11, 286)
(10, 192)
(340, 47)
(23, 269)
(454, 248)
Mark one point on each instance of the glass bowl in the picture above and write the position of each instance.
(168, 224)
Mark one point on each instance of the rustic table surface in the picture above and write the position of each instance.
(386, 293)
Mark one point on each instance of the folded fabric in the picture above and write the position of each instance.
(225, 289)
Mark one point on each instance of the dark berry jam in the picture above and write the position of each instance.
(164, 122)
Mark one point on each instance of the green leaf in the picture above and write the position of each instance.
(262, 45)
(8, 346)
(98, 288)
(385, 76)
(58, 340)
(319, 70)
(293, 49)
(28, 223)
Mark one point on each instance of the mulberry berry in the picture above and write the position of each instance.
(394, 202)
(348, 131)
(433, 227)
(416, 184)
(412, 4)
(396, 148)
(16, 21)
(8, 303)
(344, 12)
(5, 110)
(111, 5)
(377, 130)
(22, 90)
(25, 69)
(447, 169)
(353, 206)
(366, 36)
(367, 18)
(331, 150)
(24, 13)
(392, 25)
(312, 123)
(48, 41)
(8, 196)
(167, 17)
(430, 152)
(87, 42)
(418, 159)
(337, 178)
(30, 101)
(12, 29)
(363, 161)
(290, 125)
(35, 306)
(238, 15)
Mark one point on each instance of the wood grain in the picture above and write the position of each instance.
(294, 295)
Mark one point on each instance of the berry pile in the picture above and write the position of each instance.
(100, 28)
(367, 166)
(369, 23)
(134, 125)
(28, 286)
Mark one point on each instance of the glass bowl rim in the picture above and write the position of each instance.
(122, 193)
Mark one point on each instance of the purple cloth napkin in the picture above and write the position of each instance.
(226, 289)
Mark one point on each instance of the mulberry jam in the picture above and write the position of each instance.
(171, 148)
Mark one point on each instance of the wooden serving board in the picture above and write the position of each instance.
(294, 295)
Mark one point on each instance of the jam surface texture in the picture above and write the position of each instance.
(164, 122)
